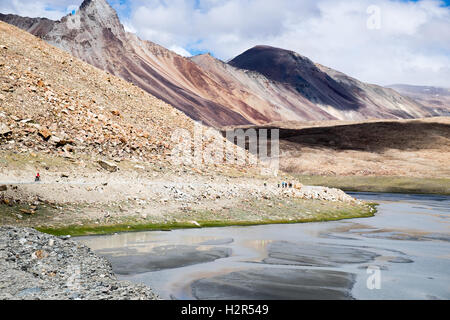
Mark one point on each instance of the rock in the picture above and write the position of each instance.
(39, 254)
(298, 186)
(4, 129)
(67, 271)
(3, 188)
(45, 133)
(54, 139)
(111, 167)
(30, 212)
(195, 223)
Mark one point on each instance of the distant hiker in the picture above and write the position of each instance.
(290, 184)
(38, 177)
(278, 185)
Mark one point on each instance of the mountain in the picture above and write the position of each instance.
(95, 35)
(262, 85)
(343, 97)
(53, 103)
(436, 98)
(276, 101)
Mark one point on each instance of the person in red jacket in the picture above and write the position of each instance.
(38, 177)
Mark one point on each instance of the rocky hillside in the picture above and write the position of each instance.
(51, 102)
(281, 85)
(95, 35)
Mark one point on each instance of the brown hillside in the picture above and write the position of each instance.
(412, 148)
(51, 102)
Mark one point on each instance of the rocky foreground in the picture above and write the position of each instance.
(34, 265)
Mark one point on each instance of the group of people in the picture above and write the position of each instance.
(285, 185)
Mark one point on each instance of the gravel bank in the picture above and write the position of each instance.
(34, 265)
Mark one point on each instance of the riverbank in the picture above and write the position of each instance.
(34, 266)
(259, 212)
(81, 197)
(407, 241)
(221, 205)
(383, 184)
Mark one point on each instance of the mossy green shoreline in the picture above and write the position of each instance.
(363, 211)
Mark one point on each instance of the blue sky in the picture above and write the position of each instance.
(377, 41)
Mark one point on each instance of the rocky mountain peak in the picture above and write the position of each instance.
(95, 14)
(204, 56)
(85, 4)
(99, 8)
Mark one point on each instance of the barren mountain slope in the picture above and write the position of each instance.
(286, 85)
(51, 102)
(433, 97)
(343, 97)
(275, 100)
(95, 35)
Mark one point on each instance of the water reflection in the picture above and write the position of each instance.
(408, 240)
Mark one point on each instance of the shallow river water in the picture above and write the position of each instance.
(403, 252)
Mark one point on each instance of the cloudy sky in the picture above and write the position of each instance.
(377, 41)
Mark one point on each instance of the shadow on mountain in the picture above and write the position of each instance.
(370, 136)
(300, 73)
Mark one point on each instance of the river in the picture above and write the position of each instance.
(403, 252)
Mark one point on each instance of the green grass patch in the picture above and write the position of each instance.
(232, 217)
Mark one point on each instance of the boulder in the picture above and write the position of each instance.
(3, 188)
(45, 133)
(4, 129)
(111, 167)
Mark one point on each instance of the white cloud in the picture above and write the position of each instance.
(412, 46)
(52, 9)
(180, 50)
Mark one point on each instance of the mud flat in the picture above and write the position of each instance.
(288, 253)
(276, 284)
(164, 257)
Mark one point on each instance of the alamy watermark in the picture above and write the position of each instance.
(74, 280)
(374, 279)
(206, 146)
(374, 19)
